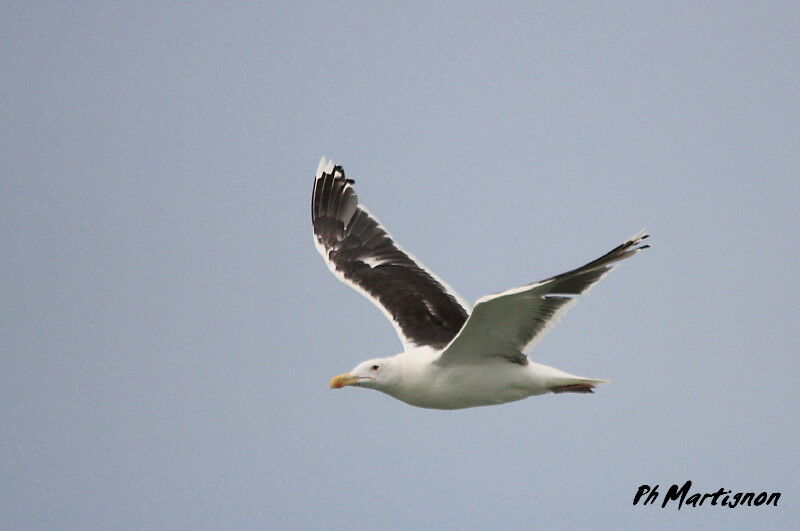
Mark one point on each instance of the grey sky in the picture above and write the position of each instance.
(168, 329)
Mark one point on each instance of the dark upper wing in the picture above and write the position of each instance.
(362, 254)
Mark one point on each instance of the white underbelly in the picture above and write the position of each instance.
(469, 386)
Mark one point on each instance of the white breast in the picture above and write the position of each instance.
(495, 382)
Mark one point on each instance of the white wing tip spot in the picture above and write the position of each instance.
(325, 166)
(372, 262)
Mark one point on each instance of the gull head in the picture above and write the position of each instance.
(374, 374)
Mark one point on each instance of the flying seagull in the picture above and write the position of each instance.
(451, 358)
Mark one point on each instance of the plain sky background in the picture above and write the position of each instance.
(168, 329)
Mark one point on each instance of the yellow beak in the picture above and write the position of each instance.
(337, 382)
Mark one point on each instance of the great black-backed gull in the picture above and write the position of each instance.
(452, 358)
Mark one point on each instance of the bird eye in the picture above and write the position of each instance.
(375, 367)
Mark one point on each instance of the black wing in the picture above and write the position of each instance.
(360, 252)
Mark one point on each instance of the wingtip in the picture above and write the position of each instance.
(637, 238)
(325, 166)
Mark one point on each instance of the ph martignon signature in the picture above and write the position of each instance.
(723, 498)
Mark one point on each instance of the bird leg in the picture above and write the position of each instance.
(573, 388)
